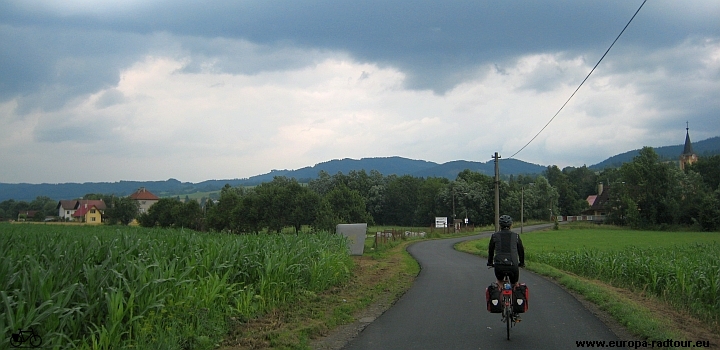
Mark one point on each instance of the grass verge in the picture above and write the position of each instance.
(638, 319)
(379, 279)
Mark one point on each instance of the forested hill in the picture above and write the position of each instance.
(386, 166)
(27, 192)
(403, 166)
(707, 147)
(450, 170)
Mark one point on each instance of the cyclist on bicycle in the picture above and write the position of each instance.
(506, 252)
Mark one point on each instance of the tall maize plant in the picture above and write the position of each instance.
(106, 288)
(687, 275)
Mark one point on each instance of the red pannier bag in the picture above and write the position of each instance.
(521, 294)
(492, 298)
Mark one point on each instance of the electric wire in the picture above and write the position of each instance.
(581, 84)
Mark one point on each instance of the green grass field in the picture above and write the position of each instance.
(104, 287)
(605, 239)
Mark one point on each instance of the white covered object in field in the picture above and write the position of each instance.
(355, 234)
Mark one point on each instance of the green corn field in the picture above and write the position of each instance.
(105, 288)
(687, 276)
(682, 268)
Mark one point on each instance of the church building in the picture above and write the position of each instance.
(688, 157)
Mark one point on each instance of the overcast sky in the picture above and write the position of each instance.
(194, 90)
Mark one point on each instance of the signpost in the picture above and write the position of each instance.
(441, 222)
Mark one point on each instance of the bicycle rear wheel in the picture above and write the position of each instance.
(508, 318)
(507, 306)
(508, 328)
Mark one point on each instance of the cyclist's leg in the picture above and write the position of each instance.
(514, 279)
(514, 273)
(502, 271)
(499, 275)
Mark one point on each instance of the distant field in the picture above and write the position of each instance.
(200, 195)
(611, 239)
(195, 195)
(573, 237)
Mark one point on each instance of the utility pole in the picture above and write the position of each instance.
(454, 224)
(453, 197)
(522, 208)
(497, 191)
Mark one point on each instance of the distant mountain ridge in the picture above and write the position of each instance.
(385, 165)
(172, 187)
(706, 147)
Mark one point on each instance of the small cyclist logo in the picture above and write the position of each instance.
(22, 336)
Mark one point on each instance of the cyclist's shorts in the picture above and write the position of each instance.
(511, 271)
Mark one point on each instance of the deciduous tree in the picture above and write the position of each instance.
(709, 170)
(160, 213)
(348, 205)
(121, 210)
(709, 213)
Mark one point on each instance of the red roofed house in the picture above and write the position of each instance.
(27, 215)
(88, 213)
(591, 199)
(67, 208)
(597, 202)
(144, 198)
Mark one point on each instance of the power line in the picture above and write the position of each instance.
(581, 84)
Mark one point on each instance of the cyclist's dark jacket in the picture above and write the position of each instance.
(506, 249)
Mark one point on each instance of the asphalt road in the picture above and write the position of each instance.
(445, 309)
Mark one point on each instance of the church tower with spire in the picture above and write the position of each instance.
(688, 157)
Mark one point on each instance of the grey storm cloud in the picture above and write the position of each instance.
(110, 98)
(87, 132)
(45, 66)
(435, 43)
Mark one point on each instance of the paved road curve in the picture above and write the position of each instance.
(445, 309)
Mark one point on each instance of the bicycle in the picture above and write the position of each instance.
(509, 316)
(17, 339)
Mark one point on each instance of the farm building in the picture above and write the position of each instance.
(67, 208)
(144, 198)
(597, 202)
(26, 215)
(88, 213)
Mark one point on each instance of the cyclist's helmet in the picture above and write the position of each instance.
(505, 221)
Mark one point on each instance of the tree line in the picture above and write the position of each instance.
(644, 193)
(42, 205)
(649, 193)
(358, 196)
